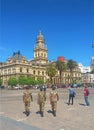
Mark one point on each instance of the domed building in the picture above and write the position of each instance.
(18, 65)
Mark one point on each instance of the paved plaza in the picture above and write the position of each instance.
(72, 117)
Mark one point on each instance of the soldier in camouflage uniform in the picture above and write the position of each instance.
(54, 97)
(41, 101)
(27, 98)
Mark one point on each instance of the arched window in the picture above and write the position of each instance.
(38, 72)
(34, 72)
(42, 72)
(20, 69)
(27, 70)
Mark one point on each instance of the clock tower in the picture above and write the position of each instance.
(40, 50)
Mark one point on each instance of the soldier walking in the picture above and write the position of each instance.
(41, 101)
(54, 97)
(27, 98)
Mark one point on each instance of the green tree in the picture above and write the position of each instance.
(51, 71)
(12, 81)
(40, 81)
(29, 81)
(33, 81)
(22, 80)
(1, 81)
(71, 66)
(61, 66)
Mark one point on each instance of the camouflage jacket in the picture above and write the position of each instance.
(54, 96)
(41, 97)
(27, 96)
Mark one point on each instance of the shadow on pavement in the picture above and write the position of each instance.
(82, 104)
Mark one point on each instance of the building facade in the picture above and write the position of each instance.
(18, 65)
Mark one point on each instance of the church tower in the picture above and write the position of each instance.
(40, 50)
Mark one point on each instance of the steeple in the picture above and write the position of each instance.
(40, 40)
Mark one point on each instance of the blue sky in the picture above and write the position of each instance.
(67, 26)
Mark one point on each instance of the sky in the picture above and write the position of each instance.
(67, 27)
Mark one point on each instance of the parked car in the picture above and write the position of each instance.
(16, 87)
(2, 87)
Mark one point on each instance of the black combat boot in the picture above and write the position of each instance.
(42, 115)
(27, 113)
(54, 113)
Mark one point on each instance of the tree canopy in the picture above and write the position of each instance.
(51, 71)
(61, 66)
(0, 81)
(12, 81)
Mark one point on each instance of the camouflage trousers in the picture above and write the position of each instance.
(41, 106)
(27, 106)
(54, 106)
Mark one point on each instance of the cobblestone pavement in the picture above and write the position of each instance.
(72, 117)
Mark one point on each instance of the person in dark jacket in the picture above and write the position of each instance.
(71, 95)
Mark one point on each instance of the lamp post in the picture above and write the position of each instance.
(93, 63)
(93, 46)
